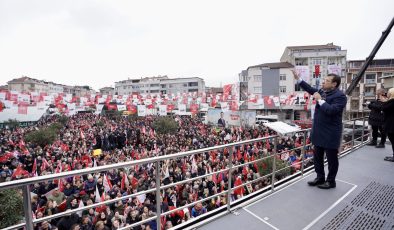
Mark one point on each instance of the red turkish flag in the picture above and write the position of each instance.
(170, 107)
(317, 70)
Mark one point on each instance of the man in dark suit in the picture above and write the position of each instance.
(221, 121)
(327, 127)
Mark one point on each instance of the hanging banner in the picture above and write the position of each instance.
(121, 107)
(141, 110)
(224, 106)
(182, 109)
(163, 110)
(335, 69)
(303, 72)
(2, 96)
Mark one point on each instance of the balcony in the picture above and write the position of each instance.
(356, 94)
(370, 81)
(369, 94)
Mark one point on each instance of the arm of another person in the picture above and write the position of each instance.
(337, 105)
(375, 106)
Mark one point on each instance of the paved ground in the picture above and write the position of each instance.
(364, 198)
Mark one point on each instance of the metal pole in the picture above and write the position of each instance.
(362, 134)
(158, 200)
(369, 59)
(230, 169)
(274, 164)
(303, 154)
(27, 207)
(354, 126)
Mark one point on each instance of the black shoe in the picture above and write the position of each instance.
(380, 146)
(372, 143)
(389, 158)
(327, 185)
(315, 182)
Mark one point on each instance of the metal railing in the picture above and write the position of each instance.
(25, 184)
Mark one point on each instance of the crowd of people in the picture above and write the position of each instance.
(122, 139)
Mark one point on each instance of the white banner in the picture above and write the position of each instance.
(182, 109)
(48, 100)
(335, 69)
(141, 110)
(100, 100)
(121, 107)
(258, 105)
(224, 106)
(24, 98)
(204, 107)
(99, 107)
(163, 110)
(2, 96)
(303, 72)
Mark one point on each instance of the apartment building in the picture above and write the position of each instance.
(27, 84)
(317, 61)
(268, 79)
(107, 91)
(379, 74)
(160, 85)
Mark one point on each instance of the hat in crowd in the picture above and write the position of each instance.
(82, 193)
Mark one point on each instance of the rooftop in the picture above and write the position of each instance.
(313, 47)
(274, 65)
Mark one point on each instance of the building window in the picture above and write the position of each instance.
(193, 90)
(193, 84)
(257, 89)
(388, 74)
(124, 87)
(282, 89)
(154, 85)
(257, 78)
(370, 78)
(282, 77)
(316, 61)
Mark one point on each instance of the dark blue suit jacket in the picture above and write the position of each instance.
(327, 121)
(221, 122)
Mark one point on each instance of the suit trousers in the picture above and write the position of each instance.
(375, 133)
(333, 163)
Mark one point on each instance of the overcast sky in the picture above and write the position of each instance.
(88, 42)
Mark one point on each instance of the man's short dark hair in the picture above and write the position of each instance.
(335, 78)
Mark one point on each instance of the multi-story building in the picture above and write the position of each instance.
(27, 84)
(54, 88)
(379, 74)
(268, 79)
(317, 60)
(107, 91)
(160, 84)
